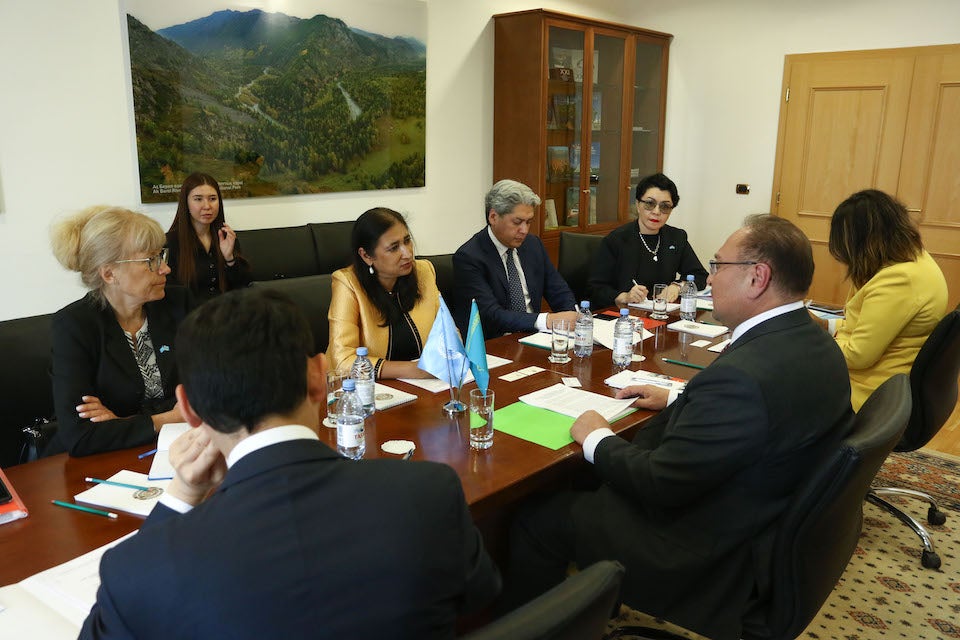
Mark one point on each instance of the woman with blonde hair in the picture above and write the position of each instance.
(114, 371)
(898, 292)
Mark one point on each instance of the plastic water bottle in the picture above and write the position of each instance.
(583, 332)
(350, 440)
(623, 340)
(688, 299)
(362, 373)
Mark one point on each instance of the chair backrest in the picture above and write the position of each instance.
(280, 252)
(443, 265)
(933, 379)
(576, 609)
(819, 531)
(312, 294)
(24, 379)
(576, 260)
(332, 241)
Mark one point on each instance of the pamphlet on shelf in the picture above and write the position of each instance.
(14, 509)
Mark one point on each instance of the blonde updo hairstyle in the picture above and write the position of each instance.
(101, 235)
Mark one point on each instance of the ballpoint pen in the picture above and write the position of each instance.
(683, 364)
(146, 453)
(77, 507)
(117, 484)
(409, 454)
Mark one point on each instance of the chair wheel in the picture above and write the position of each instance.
(935, 516)
(930, 560)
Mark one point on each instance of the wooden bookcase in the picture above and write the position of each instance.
(579, 111)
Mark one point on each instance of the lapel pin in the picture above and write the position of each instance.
(164, 348)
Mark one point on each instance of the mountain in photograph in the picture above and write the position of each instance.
(272, 104)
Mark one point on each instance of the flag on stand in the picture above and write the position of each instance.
(443, 355)
(477, 350)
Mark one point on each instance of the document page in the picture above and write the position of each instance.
(570, 401)
(433, 385)
(603, 333)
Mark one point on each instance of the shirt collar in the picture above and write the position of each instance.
(750, 323)
(501, 248)
(267, 437)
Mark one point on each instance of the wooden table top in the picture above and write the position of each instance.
(493, 479)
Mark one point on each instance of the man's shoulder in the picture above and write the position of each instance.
(473, 243)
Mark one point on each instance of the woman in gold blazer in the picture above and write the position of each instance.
(386, 301)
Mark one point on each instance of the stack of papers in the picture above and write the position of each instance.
(627, 378)
(698, 328)
(115, 498)
(434, 385)
(572, 402)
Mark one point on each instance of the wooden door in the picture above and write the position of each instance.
(930, 171)
(842, 123)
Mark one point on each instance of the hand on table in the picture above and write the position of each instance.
(671, 293)
(637, 293)
(94, 411)
(199, 464)
(569, 316)
(647, 396)
(588, 422)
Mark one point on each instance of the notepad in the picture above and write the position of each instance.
(647, 305)
(698, 328)
(627, 378)
(161, 469)
(433, 385)
(114, 498)
(386, 397)
(540, 340)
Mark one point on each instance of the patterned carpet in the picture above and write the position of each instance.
(885, 592)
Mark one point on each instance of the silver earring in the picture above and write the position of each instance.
(371, 269)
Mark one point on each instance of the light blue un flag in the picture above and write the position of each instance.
(443, 355)
(477, 350)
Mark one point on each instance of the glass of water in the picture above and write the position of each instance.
(334, 391)
(560, 342)
(659, 302)
(481, 418)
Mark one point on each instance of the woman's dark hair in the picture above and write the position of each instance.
(186, 235)
(871, 230)
(658, 181)
(367, 230)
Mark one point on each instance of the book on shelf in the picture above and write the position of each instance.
(565, 110)
(12, 509)
(550, 214)
(558, 164)
(551, 115)
(573, 206)
(594, 157)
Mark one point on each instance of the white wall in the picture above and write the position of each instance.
(66, 137)
(726, 72)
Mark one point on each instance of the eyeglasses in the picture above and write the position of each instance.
(665, 207)
(152, 263)
(715, 264)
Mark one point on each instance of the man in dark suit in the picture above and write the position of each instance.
(507, 270)
(690, 507)
(296, 541)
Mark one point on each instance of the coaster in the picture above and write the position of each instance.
(397, 447)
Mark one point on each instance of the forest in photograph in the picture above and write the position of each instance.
(271, 104)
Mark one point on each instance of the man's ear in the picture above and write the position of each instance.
(317, 379)
(491, 216)
(762, 277)
(188, 413)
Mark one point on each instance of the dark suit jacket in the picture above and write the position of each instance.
(479, 273)
(688, 507)
(301, 543)
(91, 356)
(206, 281)
(622, 258)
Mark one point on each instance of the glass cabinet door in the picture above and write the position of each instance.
(645, 153)
(564, 106)
(606, 108)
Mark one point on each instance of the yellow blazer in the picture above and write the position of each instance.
(887, 321)
(355, 322)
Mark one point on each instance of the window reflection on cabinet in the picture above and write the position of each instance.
(578, 115)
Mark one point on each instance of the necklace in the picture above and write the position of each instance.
(647, 247)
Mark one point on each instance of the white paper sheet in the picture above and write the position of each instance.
(627, 377)
(386, 397)
(647, 305)
(114, 498)
(160, 468)
(603, 333)
(540, 340)
(433, 385)
(572, 402)
(698, 328)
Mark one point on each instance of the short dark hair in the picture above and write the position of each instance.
(242, 357)
(782, 245)
(658, 181)
(871, 230)
(367, 230)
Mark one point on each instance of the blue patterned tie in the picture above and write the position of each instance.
(517, 301)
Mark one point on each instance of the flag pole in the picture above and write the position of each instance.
(453, 408)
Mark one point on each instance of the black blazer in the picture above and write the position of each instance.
(91, 356)
(299, 542)
(622, 258)
(479, 273)
(205, 283)
(688, 505)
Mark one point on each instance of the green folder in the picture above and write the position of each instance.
(533, 424)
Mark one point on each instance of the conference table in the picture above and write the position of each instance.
(495, 481)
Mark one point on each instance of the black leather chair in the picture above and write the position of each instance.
(933, 379)
(25, 381)
(312, 294)
(281, 252)
(576, 260)
(576, 609)
(818, 533)
(443, 265)
(332, 242)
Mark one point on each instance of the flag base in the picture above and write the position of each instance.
(454, 408)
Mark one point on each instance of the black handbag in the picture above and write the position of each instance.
(36, 439)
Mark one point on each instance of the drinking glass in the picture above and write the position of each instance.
(481, 419)
(659, 302)
(638, 336)
(560, 342)
(334, 391)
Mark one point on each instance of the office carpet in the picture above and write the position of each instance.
(885, 592)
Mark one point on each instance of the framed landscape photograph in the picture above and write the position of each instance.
(311, 96)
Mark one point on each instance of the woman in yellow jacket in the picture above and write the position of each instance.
(386, 301)
(898, 292)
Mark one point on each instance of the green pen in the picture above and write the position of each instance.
(117, 484)
(107, 514)
(683, 364)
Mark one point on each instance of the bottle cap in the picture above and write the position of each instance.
(361, 351)
(349, 384)
(690, 278)
(624, 312)
(585, 304)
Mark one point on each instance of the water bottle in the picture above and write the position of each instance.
(362, 373)
(350, 440)
(688, 299)
(623, 340)
(583, 332)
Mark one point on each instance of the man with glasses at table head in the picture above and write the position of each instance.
(294, 541)
(507, 270)
(689, 505)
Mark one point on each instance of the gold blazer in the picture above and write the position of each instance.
(355, 322)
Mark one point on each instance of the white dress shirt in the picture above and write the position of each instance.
(502, 250)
